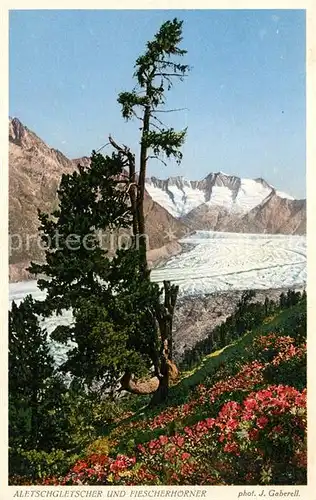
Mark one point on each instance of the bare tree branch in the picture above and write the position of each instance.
(153, 157)
(165, 75)
(124, 181)
(130, 185)
(158, 120)
(121, 181)
(138, 117)
(125, 213)
(115, 145)
(104, 146)
(156, 126)
(170, 110)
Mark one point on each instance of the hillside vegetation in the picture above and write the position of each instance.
(238, 416)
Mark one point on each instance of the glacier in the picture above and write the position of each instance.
(217, 261)
(210, 262)
(214, 262)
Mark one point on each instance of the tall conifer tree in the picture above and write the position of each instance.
(123, 324)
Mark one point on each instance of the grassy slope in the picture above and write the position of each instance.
(181, 393)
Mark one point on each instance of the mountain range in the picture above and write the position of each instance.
(173, 207)
(223, 202)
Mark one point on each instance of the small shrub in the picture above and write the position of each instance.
(37, 465)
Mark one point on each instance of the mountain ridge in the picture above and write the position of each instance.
(35, 171)
(173, 206)
(223, 202)
(230, 191)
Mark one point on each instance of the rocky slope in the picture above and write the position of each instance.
(35, 171)
(275, 215)
(196, 317)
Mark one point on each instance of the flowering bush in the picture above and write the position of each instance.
(265, 434)
(260, 441)
(97, 469)
(247, 426)
(270, 351)
(288, 367)
(248, 377)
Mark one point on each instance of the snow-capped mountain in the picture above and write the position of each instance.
(234, 194)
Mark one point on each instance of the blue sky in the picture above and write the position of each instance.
(245, 95)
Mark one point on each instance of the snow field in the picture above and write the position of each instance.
(179, 202)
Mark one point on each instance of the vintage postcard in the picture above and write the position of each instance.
(156, 194)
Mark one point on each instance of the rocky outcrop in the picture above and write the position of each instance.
(275, 215)
(35, 171)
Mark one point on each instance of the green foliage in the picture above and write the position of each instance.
(43, 413)
(291, 372)
(296, 324)
(157, 57)
(26, 466)
(155, 72)
(89, 202)
(32, 387)
(167, 142)
(114, 328)
(291, 298)
(39, 416)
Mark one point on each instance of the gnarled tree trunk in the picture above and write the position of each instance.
(141, 386)
(165, 369)
(147, 386)
(164, 315)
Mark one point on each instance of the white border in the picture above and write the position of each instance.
(213, 492)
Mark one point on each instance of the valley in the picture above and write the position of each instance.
(214, 238)
(211, 273)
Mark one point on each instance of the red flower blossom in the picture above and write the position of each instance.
(262, 422)
(163, 439)
(231, 448)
